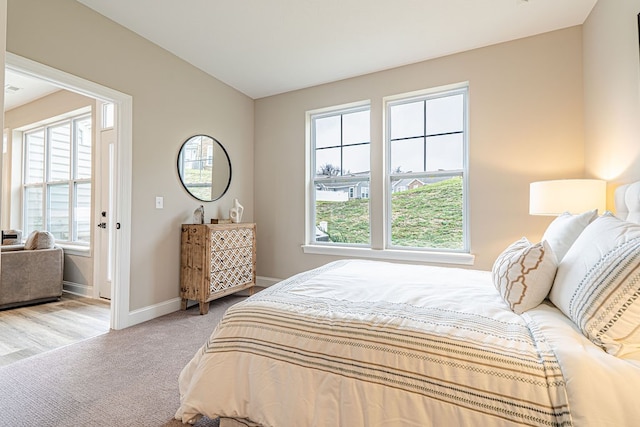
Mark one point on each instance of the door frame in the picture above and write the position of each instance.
(120, 314)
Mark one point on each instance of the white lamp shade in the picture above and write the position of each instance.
(567, 195)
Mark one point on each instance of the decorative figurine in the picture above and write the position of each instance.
(198, 215)
(235, 213)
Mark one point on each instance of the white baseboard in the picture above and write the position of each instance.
(265, 282)
(152, 311)
(134, 317)
(78, 289)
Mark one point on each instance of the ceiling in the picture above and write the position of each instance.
(263, 48)
(266, 47)
(20, 89)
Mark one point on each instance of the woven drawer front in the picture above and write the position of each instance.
(224, 260)
(230, 278)
(232, 238)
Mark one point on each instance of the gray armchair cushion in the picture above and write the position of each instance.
(9, 248)
(30, 276)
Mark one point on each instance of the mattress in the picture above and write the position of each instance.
(370, 343)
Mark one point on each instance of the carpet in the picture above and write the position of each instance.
(122, 378)
(207, 422)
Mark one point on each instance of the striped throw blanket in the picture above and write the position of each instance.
(364, 343)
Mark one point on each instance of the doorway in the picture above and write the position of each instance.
(119, 234)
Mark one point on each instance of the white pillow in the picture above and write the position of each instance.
(39, 240)
(565, 229)
(30, 242)
(598, 284)
(524, 273)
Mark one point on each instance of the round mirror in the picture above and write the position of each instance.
(204, 168)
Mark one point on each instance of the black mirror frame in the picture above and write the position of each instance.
(226, 188)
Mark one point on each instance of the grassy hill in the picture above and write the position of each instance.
(429, 216)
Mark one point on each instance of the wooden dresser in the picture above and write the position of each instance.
(216, 260)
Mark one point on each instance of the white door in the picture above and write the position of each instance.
(103, 262)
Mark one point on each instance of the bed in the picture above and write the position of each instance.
(549, 337)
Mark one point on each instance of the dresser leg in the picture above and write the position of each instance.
(183, 304)
(204, 307)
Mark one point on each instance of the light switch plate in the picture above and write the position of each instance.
(159, 202)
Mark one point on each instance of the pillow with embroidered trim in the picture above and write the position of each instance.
(598, 283)
(523, 274)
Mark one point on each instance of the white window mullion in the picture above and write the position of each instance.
(45, 185)
(72, 211)
(377, 185)
(72, 182)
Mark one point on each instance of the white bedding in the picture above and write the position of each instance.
(603, 389)
(365, 343)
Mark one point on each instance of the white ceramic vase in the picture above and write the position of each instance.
(235, 213)
(198, 215)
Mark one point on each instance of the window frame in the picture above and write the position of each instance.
(435, 93)
(312, 167)
(71, 182)
(379, 183)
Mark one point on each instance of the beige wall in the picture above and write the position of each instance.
(3, 24)
(172, 100)
(612, 93)
(77, 269)
(526, 124)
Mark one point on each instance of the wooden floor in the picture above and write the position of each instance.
(34, 329)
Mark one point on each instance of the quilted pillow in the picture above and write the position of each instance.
(523, 274)
(565, 229)
(39, 240)
(598, 284)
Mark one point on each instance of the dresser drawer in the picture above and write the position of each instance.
(231, 238)
(224, 260)
(225, 279)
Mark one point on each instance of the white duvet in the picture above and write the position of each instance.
(365, 343)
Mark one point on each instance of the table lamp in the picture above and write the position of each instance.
(567, 195)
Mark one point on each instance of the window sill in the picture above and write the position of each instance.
(392, 254)
(75, 250)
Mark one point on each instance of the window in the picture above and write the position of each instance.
(57, 180)
(364, 192)
(339, 164)
(426, 143)
(422, 189)
(108, 115)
